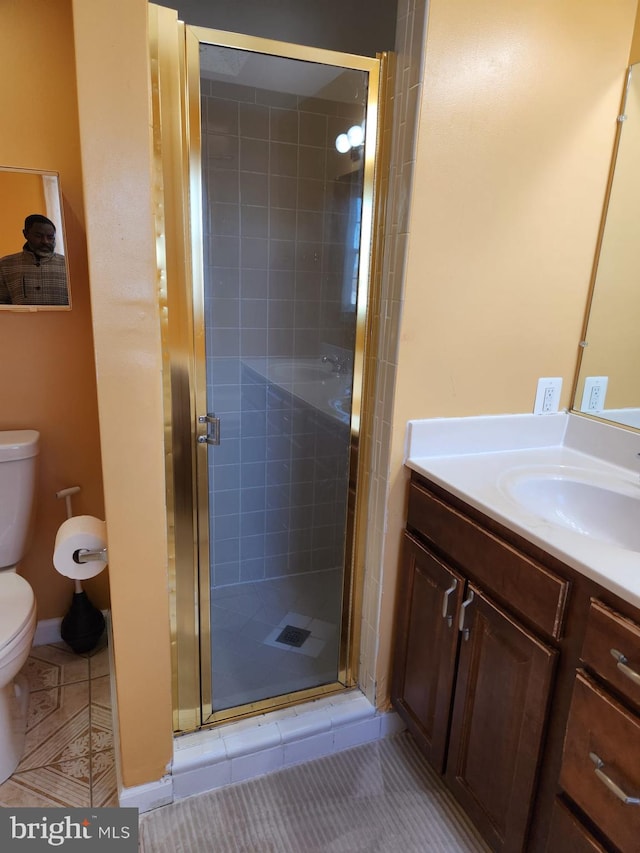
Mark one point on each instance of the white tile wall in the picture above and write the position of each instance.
(411, 23)
(210, 759)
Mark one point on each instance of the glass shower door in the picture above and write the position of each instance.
(285, 206)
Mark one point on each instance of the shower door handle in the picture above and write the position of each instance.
(213, 434)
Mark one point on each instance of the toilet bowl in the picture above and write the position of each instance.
(18, 457)
(17, 627)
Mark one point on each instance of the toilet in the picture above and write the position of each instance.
(18, 464)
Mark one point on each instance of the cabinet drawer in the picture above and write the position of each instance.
(568, 835)
(608, 632)
(529, 588)
(598, 726)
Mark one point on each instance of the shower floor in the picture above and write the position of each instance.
(249, 662)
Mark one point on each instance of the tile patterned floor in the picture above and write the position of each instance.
(68, 758)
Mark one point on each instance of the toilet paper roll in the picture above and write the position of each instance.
(79, 533)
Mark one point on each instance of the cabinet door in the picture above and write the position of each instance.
(425, 650)
(500, 707)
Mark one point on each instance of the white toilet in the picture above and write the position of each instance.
(18, 463)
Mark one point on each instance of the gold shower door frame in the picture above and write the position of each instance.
(175, 78)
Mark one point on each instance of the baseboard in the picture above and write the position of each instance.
(48, 632)
(149, 796)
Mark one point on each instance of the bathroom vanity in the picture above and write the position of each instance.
(517, 651)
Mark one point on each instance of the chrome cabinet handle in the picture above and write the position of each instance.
(213, 436)
(610, 784)
(463, 610)
(624, 669)
(445, 602)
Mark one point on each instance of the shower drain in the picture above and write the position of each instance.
(292, 636)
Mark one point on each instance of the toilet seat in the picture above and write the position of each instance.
(17, 604)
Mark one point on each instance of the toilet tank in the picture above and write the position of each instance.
(18, 466)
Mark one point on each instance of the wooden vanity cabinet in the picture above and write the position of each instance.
(600, 771)
(520, 680)
(471, 680)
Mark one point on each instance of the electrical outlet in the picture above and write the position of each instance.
(595, 389)
(548, 395)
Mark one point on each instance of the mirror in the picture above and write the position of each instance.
(608, 385)
(34, 274)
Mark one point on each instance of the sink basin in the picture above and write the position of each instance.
(291, 371)
(592, 503)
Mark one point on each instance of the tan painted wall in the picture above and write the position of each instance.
(47, 380)
(22, 193)
(514, 144)
(112, 64)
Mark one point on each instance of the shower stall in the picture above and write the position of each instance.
(265, 220)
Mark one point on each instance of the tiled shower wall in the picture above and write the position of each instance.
(276, 211)
(400, 132)
(294, 502)
(277, 198)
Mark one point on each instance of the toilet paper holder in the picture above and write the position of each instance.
(82, 555)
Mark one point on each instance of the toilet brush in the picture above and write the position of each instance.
(84, 624)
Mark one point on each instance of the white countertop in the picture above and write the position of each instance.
(469, 457)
